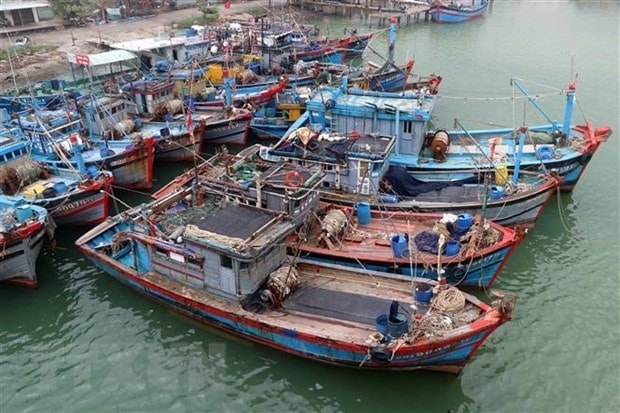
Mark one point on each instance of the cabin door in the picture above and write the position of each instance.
(227, 274)
(363, 178)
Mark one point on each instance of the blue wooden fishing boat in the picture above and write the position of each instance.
(456, 155)
(58, 139)
(226, 266)
(457, 11)
(23, 230)
(357, 170)
(465, 250)
(70, 197)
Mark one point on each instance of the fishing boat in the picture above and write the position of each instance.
(23, 229)
(256, 96)
(59, 141)
(271, 121)
(357, 170)
(226, 266)
(245, 177)
(70, 197)
(457, 155)
(443, 11)
(466, 250)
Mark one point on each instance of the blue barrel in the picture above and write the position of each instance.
(92, 171)
(398, 325)
(382, 324)
(190, 32)
(363, 213)
(61, 187)
(24, 213)
(452, 248)
(399, 246)
(497, 192)
(423, 293)
(138, 122)
(463, 223)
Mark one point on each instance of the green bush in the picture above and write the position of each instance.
(25, 50)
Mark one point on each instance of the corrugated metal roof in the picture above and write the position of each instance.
(18, 5)
(99, 59)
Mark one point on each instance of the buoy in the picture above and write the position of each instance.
(294, 179)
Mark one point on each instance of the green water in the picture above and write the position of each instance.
(83, 342)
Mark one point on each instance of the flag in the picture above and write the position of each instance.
(227, 4)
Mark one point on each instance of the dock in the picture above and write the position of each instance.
(381, 11)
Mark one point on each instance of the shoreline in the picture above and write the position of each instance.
(24, 70)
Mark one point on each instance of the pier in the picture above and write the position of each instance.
(405, 11)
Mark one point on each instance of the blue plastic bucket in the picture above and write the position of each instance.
(544, 152)
(363, 213)
(399, 246)
(452, 248)
(497, 192)
(61, 187)
(463, 223)
(92, 170)
(382, 324)
(423, 293)
(398, 326)
(24, 213)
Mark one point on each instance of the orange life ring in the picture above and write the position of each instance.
(294, 179)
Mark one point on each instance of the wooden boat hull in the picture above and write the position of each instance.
(229, 132)
(449, 354)
(18, 259)
(181, 149)
(370, 249)
(452, 14)
(520, 209)
(568, 164)
(133, 168)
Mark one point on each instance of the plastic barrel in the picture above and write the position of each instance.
(423, 293)
(497, 192)
(61, 187)
(463, 223)
(363, 213)
(24, 213)
(399, 246)
(382, 324)
(397, 326)
(452, 248)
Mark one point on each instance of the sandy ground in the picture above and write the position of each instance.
(47, 65)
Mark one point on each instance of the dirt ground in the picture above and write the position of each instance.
(47, 65)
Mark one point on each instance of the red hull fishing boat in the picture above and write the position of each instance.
(225, 265)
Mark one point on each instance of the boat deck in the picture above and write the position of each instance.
(329, 303)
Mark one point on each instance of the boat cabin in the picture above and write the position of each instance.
(353, 164)
(344, 110)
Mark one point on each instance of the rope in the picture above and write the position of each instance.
(449, 300)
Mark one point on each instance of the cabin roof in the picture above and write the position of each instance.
(238, 221)
(100, 59)
(19, 5)
(407, 102)
(157, 43)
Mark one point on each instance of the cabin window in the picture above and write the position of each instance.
(10, 155)
(408, 126)
(226, 262)
(326, 184)
(195, 261)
